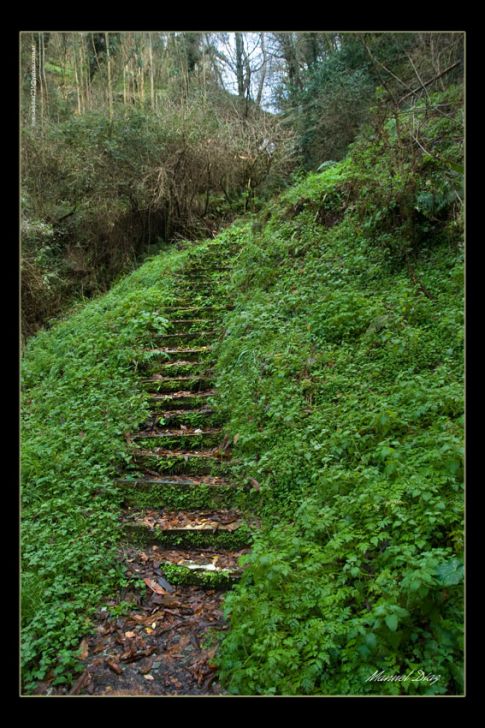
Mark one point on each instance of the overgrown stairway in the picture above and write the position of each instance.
(183, 526)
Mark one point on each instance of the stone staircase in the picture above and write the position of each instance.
(185, 518)
(179, 455)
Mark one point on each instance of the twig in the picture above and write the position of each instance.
(427, 83)
(418, 283)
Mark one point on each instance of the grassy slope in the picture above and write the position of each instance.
(344, 383)
(80, 393)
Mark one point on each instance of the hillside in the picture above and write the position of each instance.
(338, 374)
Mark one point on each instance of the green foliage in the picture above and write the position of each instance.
(334, 102)
(80, 393)
(344, 382)
(341, 372)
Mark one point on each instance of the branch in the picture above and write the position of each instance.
(417, 282)
(427, 83)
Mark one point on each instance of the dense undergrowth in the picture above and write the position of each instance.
(80, 393)
(341, 373)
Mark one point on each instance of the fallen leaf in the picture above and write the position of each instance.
(81, 683)
(235, 438)
(164, 584)
(114, 666)
(130, 635)
(151, 584)
(83, 649)
(255, 484)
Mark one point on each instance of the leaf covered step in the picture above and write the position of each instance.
(201, 529)
(178, 438)
(183, 399)
(165, 567)
(199, 417)
(146, 481)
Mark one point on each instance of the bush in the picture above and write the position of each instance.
(109, 189)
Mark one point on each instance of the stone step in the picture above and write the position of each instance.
(183, 399)
(212, 481)
(177, 367)
(188, 311)
(179, 350)
(148, 490)
(207, 568)
(188, 462)
(180, 335)
(197, 417)
(193, 353)
(204, 270)
(196, 326)
(189, 321)
(200, 529)
(178, 438)
(160, 384)
(211, 569)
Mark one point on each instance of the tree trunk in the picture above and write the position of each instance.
(240, 64)
(110, 89)
(33, 85)
(152, 78)
(262, 77)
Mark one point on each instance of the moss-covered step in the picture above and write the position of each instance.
(187, 283)
(167, 353)
(177, 367)
(199, 529)
(188, 323)
(203, 268)
(206, 576)
(158, 383)
(182, 399)
(200, 337)
(182, 491)
(193, 438)
(202, 462)
(186, 312)
(197, 310)
(201, 417)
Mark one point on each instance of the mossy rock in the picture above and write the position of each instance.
(183, 576)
